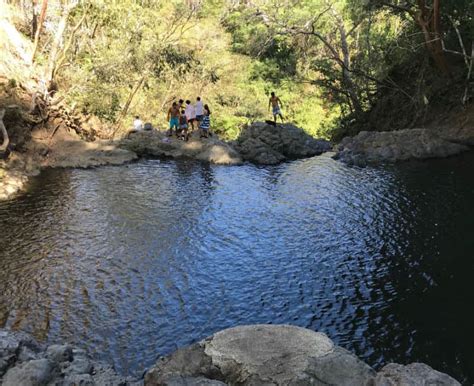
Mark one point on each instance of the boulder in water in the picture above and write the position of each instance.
(263, 143)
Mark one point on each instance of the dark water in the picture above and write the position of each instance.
(135, 261)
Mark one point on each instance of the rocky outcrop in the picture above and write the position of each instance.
(157, 144)
(25, 362)
(262, 143)
(391, 146)
(412, 375)
(280, 355)
(256, 355)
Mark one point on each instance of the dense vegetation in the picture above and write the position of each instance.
(330, 62)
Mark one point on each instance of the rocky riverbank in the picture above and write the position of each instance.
(453, 135)
(246, 355)
(63, 146)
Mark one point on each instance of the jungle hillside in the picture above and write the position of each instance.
(338, 66)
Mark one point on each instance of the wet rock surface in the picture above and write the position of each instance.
(263, 143)
(158, 144)
(391, 146)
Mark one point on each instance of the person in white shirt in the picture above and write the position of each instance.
(137, 124)
(190, 112)
(199, 109)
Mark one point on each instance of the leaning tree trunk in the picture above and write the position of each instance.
(58, 40)
(127, 105)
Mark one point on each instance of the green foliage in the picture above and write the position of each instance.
(324, 59)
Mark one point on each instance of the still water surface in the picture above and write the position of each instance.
(135, 261)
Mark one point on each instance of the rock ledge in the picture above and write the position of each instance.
(280, 355)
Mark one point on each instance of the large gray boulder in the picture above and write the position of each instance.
(267, 144)
(391, 146)
(157, 144)
(264, 355)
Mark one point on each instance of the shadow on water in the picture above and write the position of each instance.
(135, 261)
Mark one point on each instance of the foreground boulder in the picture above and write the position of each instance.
(262, 143)
(391, 146)
(280, 355)
(157, 144)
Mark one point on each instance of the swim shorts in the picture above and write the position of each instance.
(174, 122)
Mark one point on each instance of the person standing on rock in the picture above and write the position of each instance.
(199, 109)
(173, 118)
(183, 126)
(205, 124)
(275, 103)
(190, 114)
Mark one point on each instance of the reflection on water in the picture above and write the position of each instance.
(137, 260)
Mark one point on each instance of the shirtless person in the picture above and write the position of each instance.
(275, 102)
(173, 118)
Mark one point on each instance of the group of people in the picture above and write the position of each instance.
(184, 117)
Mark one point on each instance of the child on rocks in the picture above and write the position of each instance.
(205, 123)
(183, 126)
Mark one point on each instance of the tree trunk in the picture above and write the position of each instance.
(39, 28)
(58, 40)
(346, 74)
(430, 24)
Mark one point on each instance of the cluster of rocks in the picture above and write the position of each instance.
(157, 144)
(263, 143)
(25, 362)
(246, 355)
(391, 146)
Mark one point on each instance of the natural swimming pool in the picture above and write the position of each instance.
(134, 261)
